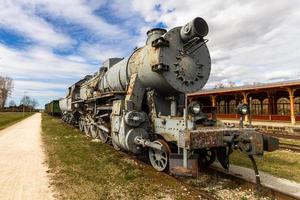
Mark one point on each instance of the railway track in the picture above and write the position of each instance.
(204, 194)
(287, 146)
(286, 136)
(220, 172)
(292, 147)
(274, 193)
(213, 171)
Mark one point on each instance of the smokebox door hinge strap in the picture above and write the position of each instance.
(160, 67)
(160, 42)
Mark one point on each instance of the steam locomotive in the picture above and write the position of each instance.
(139, 104)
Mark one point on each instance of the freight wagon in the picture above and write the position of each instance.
(53, 108)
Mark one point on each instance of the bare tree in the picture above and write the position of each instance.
(231, 84)
(6, 87)
(29, 103)
(26, 100)
(219, 85)
(256, 83)
(34, 103)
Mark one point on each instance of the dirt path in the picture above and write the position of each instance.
(22, 172)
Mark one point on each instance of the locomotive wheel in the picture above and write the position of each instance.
(69, 119)
(159, 159)
(116, 147)
(206, 157)
(93, 131)
(81, 125)
(103, 136)
(87, 129)
(66, 118)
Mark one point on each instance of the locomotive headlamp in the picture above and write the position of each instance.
(243, 109)
(196, 108)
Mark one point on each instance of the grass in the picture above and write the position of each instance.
(83, 169)
(10, 118)
(280, 163)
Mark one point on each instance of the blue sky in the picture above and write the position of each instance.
(45, 46)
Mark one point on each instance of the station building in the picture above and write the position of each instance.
(270, 102)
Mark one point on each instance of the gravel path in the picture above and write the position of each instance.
(22, 172)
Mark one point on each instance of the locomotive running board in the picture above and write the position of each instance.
(176, 167)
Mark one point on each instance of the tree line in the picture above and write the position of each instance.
(6, 88)
(231, 84)
(29, 101)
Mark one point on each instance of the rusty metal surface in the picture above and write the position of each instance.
(206, 139)
(176, 165)
(250, 141)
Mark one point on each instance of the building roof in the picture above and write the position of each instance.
(281, 84)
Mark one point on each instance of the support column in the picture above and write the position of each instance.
(245, 101)
(213, 100)
(236, 103)
(214, 108)
(270, 105)
(292, 105)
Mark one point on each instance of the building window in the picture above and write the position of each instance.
(265, 106)
(221, 107)
(232, 107)
(283, 106)
(255, 107)
(297, 105)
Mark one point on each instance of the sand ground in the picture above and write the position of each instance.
(22, 172)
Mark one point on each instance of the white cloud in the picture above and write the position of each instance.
(39, 72)
(39, 62)
(79, 12)
(249, 41)
(18, 17)
(39, 89)
(101, 52)
(38, 85)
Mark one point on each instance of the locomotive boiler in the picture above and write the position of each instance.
(139, 104)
